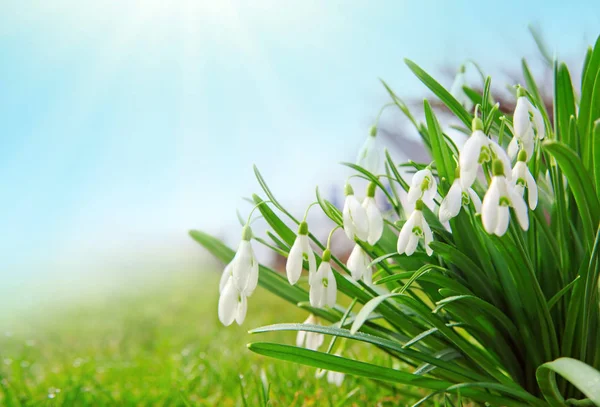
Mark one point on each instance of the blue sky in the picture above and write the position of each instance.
(125, 123)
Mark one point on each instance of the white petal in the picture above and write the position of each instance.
(242, 265)
(418, 178)
(503, 218)
(520, 208)
(475, 199)
(532, 191)
(368, 275)
(428, 238)
(469, 154)
(253, 276)
(316, 292)
(335, 378)
(468, 176)
(293, 266)
(314, 340)
(368, 157)
(521, 117)
(413, 241)
(228, 303)
(513, 148)
(405, 233)
(538, 122)
(242, 308)
(331, 289)
(359, 218)
(225, 277)
(300, 338)
(356, 263)
(347, 219)
(374, 219)
(489, 207)
(414, 193)
(450, 206)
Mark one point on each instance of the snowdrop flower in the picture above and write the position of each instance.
(477, 150)
(368, 157)
(457, 197)
(323, 287)
(310, 340)
(458, 92)
(374, 218)
(299, 252)
(244, 267)
(335, 378)
(527, 119)
(233, 304)
(225, 277)
(356, 223)
(522, 179)
(415, 229)
(497, 200)
(423, 186)
(332, 377)
(358, 264)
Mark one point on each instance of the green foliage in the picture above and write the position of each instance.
(486, 318)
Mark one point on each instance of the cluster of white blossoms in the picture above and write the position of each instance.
(363, 222)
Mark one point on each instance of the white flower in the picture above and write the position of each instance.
(244, 267)
(358, 264)
(415, 229)
(458, 92)
(323, 287)
(332, 377)
(310, 340)
(225, 276)
(374, 218)
(499, 197)
(457, 197)
(527, 119)
(477, 150)
(356, 223)
(299, 252)
(522, 179)
(423, 186)
(368, 156)
(335, 378)
(232, 304)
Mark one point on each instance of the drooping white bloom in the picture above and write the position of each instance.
(335, 378)
(526, 144)
(368, 156)
(358, 264)
(495, 213)
(225, 276)
(356, 223)
(478, 149)
(323, 287)
(423, 186)
(522, 179)
(244, 267)
(310, 340)
(299, 252)
(457, 197)
(374, 218)
(527, 120)
(233, 304)
(458, 92)
(415, 229)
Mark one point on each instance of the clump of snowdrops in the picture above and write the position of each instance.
(482, 279)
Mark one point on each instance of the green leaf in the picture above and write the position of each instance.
(564, 105)
(581, 375)
(580, 184)
(552, 301)
(439, 149)
(596, 156)
(445, 96)
(588, 88)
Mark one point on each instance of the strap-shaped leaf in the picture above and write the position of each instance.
(581, 375)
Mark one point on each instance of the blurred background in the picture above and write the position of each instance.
(123, 124)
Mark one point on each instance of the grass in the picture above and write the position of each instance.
(163, 345)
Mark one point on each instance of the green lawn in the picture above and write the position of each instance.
(163, 345)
